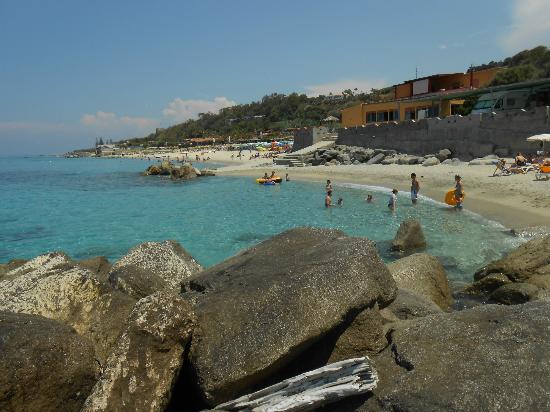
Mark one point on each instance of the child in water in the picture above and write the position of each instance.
(340, 202)
(392, 202)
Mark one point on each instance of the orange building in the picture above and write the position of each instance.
(419, 98)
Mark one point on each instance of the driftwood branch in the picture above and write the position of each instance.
(311, 389)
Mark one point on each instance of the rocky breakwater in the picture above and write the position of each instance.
(184, 172)
(74, 338)
(348, 155)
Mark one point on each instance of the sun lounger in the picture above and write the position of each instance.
(501, 169)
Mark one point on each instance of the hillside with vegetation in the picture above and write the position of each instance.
(277, 113)
(526, 65)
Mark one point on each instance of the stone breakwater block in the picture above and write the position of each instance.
(258, 311)
(143, 366)
(45, 366)
(312, 389)
(489, 358)
(423, 274)
(153, 266)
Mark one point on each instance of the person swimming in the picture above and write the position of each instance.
(340, 202)
(370, 199)
(392, 201)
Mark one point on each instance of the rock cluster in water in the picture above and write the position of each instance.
(184, 172)
(155, 331)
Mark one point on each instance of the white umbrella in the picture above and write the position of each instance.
(540, 138)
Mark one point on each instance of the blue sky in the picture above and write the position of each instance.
(74, 70)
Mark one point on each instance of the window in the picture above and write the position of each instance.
(371, 117)
(510, 101)
(382, 116)
(410, 114)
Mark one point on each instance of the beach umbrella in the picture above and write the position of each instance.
(540, 138)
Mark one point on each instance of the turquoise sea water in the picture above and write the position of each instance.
(90, 207)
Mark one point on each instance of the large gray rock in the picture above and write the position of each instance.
(443, 154)
(11, 265)
(44, 365)
(530, 259)
(98, 265)
(528, 266)
(409, 236)
(431, 161)
(376, 159)
(363, 336)
(153, 266)
(259, 310)
(516, 293)
(54, 287)
(489, 358)
(142, 369)
(424, 275)
(410, 305)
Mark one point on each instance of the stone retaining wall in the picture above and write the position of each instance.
(503, 133)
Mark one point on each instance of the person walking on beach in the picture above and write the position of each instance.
(287, 178)
(328, 187)
(392, 202)
(328, 199)
(415, 188)
(459, 192)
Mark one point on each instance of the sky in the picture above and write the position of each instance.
(74, 70)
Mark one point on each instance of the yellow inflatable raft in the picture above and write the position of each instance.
(276, 179)
(450, 197)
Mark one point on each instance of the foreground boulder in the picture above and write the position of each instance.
(98, 265)
(151, 267)
(409, 236)
(528, 264)
(44, 365)
(141, 371)
(424, 275)
(53, 286)
(409, 305)
(259, 310)
(489, 358)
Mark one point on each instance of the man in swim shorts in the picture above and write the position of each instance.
(392, 202)
(415, 188)
(459, 192)
(328, 199)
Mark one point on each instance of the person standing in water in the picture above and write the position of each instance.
(415, 188)
(392, 202)
(328, 199)
(328, 187)
(287, 178)
(459, 192)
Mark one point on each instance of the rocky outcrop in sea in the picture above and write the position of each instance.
(185, 171)
(155, 331)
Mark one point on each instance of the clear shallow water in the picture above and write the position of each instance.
(90, 207)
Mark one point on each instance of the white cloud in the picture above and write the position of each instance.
(530, 25)
(110, 122)
(339, 86)
(180, 110)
